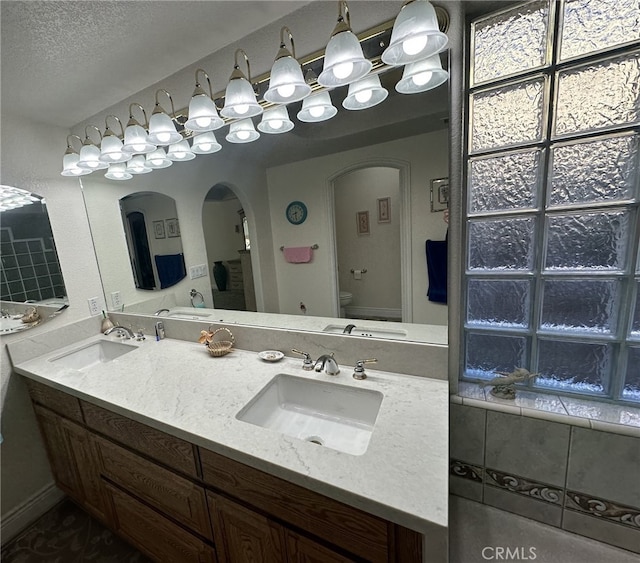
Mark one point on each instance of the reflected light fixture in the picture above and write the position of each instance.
(70, 160)
(90, 153)
(205, 143)
(415, 36)
(12, 198)
(158, 159)
(275, 120)
(422, 76)
(286, 83)
(240, 100)
(203, 113)
(162, 129)
(135, 135)
(317, 107)
(111, 148)
(242, 131)
(137, 165)
(180, 151)
(365, 93)
(118, 171)
(344, 61)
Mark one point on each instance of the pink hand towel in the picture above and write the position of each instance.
(298, 254)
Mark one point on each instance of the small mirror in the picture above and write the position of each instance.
(31, 286)
(153, 239)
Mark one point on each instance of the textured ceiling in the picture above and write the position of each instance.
(64, 61)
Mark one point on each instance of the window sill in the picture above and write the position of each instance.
(617, 419)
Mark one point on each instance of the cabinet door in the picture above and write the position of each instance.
(244, 536)
(304, 550)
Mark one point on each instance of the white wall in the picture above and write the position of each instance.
(219, 222)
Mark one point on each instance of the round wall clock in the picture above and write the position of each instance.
(296, 212)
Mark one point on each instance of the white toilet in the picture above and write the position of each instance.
(345, 299)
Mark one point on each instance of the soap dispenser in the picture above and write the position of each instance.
(106, 322)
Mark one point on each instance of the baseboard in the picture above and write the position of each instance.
(373, 312)
(29, 511)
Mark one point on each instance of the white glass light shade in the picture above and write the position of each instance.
(12, 198)
(365, 93)
(180, 151)
(203, 114)
(275, 120)
(205, 143)
(90, 158)
(118, 171)
(162, 130)
(137, 165)
(158, 159)
(70, 165)
(111, 150)
(344, 61)
(240, 100)
(286, 84)
(317, 107)
(415, 35)
(136, 140)
(422, 76)
(242, 131)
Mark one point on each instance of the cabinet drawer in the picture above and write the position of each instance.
(174, 495)
(356, 531)
(167, 449)
(156, 535)
(57, 401)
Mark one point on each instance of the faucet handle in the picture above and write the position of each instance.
(358, 371)
(307, 364)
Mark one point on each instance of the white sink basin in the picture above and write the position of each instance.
(99, 352)
(190, 316)
(395, 334)
(328, 414)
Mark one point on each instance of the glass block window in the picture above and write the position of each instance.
(552, 197)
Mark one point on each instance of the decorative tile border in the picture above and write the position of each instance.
(524, 487)
(465, 470)
(603, 509)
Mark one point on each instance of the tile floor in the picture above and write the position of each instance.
(67, 535)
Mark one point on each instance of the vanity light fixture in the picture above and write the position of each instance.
(242, 131)
(158, 159)
(90, 153)
(70, 160)
(416, 34)
(422, 76)
(162, 129)
(137, 165)
(118, 171)
(286, 83)
(205, 143)
(180, 151)
(136, 138)
(275, 120)
(317, 107)
(344, 60)
(365, 93)
(111, 148)
(240, 100)
(12, 198)
(203, 113)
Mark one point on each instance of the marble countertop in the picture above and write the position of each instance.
(177, 387)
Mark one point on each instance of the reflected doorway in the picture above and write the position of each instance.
(142, 266)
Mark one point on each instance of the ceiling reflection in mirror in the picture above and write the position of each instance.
(31, 285)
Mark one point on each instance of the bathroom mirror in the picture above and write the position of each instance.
(405, 135)
(32, 289)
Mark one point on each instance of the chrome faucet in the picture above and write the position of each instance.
(328, 364)
(122, 330)
(348, 329)
(157, 313)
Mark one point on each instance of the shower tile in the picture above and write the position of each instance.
(524, 506)
(532, 400)
(465, 488)
(470, 390)
(591, 527)
(614, 414)
(604, 465)
(466, 442)
(528, 447)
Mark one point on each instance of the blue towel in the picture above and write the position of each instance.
(436, 251)
(171, 269)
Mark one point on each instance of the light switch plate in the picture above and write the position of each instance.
(116, 300)
(198, 271)
(94, 306)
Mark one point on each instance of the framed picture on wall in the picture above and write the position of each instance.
(362, 218)
(158, 229)
(384, 210)
(173, 228)
(439, 194)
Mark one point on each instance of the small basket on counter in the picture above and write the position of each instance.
(217, 348)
